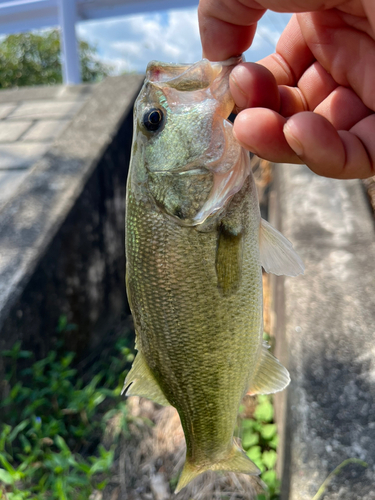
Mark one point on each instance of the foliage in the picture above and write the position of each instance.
(53, 422)
(335, 472)
(34, 59)
(259, 440)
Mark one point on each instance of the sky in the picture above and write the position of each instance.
(129, 43)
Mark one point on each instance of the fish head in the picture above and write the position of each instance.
(184, 151)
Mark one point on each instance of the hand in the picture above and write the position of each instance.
(313, 101)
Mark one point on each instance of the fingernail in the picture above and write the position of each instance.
(240, 97)
(291, 139)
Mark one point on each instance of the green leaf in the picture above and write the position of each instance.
(6, 477)
(270, 478)
(20, 427)
(264, 411)
(274, 442)
(25, 354)
(268, 431)
(84, 468)
(247, 423)
(7, 465)
(269, 458)
(26, 445)
(98, 398)
(249, 439)
(254, 453)
(5, 431)
(62, 445)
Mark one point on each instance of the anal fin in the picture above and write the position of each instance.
(271, 376)
(141, 382)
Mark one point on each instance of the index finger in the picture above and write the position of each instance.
(227, 27)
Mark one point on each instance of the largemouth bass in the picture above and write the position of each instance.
(195, 247)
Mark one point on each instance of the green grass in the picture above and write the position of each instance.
(52, 423)
(259, 440)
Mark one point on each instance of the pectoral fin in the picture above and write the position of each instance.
(271, 376)
(141, 382)
(277, 255)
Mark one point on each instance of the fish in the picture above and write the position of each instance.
(195, 248)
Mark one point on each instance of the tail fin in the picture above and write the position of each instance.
(237, 461)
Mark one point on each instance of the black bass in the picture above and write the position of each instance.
(195, 247)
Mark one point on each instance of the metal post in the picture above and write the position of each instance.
(68, 41)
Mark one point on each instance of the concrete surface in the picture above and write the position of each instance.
(30, 119)
(326, 336)
(62, 232)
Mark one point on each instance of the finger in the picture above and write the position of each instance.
(227, 27)
(261, 131)
(365, 131)
(370, 11)
(330, 153)
(343, 108)
(253, 86)
(345, 52)
(314, 86)
(292, 56)
(292, 101)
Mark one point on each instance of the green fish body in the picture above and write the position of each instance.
(195, 246)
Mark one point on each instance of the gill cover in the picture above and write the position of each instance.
(192, 162)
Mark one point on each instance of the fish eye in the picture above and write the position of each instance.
(153, 119)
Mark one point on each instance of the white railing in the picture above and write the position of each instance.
(17, 16)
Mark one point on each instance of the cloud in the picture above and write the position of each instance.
(129, 43)
(136, 40)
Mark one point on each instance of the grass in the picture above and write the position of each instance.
(53, 423)
(259, 440)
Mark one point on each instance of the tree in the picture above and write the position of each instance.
(34, 59)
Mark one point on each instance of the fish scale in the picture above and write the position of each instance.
(195, 246)
(201, 328)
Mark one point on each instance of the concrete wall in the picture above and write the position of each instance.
(62, 234)
(324, 324)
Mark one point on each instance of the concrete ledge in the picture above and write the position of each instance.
(44, 92)
(326, 336)
(62, 233)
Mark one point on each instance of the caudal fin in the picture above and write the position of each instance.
(237, 461)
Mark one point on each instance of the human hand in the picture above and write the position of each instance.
(313, 101)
